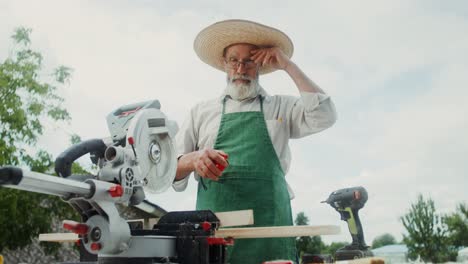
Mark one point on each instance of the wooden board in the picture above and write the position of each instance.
(59, 237)
(236, 233)
(236, 218)
(277, 231)
(371, 260)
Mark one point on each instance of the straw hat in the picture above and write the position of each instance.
(211, 41)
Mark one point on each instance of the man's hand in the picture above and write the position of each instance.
(205, 163)
(273, 57)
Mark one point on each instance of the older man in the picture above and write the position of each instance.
(246, 131)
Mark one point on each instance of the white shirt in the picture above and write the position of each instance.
(286, 117)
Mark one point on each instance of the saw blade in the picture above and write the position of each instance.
(154, 147)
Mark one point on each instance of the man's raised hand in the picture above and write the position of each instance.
(273, 57)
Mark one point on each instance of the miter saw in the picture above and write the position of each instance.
(139, 157)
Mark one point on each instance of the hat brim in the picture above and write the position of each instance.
(210, 43)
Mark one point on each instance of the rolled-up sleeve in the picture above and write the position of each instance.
(186, 140)
(311, 113)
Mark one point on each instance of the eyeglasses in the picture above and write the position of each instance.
(234, 63)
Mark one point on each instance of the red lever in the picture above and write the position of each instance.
(220, 241)
(95, 246)
(131, 141)
(206, 226)
(127, 113)
(116, 191)
(75, 227)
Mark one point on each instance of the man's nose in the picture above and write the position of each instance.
(241, 68)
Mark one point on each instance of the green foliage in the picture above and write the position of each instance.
(25, 215)
(75, 139)
(301, 219)
(457, 224)
(426, 233)
(311, 245)
(63, 74)
(383, 240)
(25, 101)
(316, 245)
(21, 36)
(334, 246)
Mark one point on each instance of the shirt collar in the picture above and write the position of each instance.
(261, 93)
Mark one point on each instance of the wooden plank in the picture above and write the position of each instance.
(277, 231)
(236, 233)
(59, 237)
(370, 260)
(236, 218)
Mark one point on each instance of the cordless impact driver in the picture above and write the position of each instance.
(347, 202)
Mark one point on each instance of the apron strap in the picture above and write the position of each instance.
(224, 105)
(261, 103)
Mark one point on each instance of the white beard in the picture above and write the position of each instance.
(242, 91)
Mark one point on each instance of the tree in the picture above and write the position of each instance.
(314, 245)
(307, 244)
(383, 240)
(457, 224)
(26, 101)
(334, 246)
(302, 242)
(426, 233)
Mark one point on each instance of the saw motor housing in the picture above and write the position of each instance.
(142, 153)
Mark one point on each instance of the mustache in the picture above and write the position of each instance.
(240, 77)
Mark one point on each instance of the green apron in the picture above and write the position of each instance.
(254, 180)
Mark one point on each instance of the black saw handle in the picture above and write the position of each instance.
(64, 161)
(10, 175)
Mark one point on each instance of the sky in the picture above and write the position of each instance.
(395, 70)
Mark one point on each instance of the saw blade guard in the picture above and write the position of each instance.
(154, 145)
